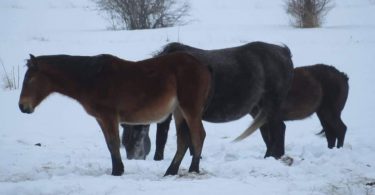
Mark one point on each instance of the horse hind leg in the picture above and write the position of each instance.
(329, 130)
(191, 134)
(198, 135)
(183, 139)
(340, 131)
(335, 128)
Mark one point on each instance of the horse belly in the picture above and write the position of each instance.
(303, 98)
(154, 112)
(232, 104)
(235, 95)
(222, 114)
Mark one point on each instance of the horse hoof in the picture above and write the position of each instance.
(194, 171)
(171, 172)
(118, 172)
(158, 157)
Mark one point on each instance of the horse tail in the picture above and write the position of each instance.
(287, 51)
(321, 133)
(259, 120)
(344, 90)
(212, 89)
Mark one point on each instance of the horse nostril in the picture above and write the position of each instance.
(21, 107)
(25, 109)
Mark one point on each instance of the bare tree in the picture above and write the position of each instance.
(308, 13)
(144, 14)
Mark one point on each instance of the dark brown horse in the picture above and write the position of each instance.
(114, 90)
(255, 74)
(319, 89)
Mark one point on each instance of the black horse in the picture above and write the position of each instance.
(256, 74)
(320, 89)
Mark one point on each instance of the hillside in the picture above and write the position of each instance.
(73, 157)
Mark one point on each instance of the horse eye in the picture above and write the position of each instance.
(31, 79)
(28, 76)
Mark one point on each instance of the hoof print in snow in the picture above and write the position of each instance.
(287, 160)
(193, 175)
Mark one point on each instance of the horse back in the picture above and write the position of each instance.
(151, 89)
(241, 75)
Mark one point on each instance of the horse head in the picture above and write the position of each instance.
(136, 141)
(35, 87)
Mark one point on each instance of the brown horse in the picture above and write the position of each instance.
(117, 91)
(319, 89)
(322, 89)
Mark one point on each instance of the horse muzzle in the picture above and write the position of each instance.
(26, 108)
(135, 157)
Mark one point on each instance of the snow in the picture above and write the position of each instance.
(73, 158)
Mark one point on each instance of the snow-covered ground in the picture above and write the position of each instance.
(73, 157)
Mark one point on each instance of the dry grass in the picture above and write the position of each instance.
(10, 80)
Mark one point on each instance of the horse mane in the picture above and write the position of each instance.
(77, 67)
(172, 47)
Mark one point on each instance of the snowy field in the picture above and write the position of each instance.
(73, 157)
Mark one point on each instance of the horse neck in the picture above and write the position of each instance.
(69, 88)
(66, 85)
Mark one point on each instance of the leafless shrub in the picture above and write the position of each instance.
(10, 81)
(144, 14)
(308, 13)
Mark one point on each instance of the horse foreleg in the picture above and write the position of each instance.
(110, 130)
(183, 139)
(161, 138)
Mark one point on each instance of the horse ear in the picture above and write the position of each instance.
(31, 63)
